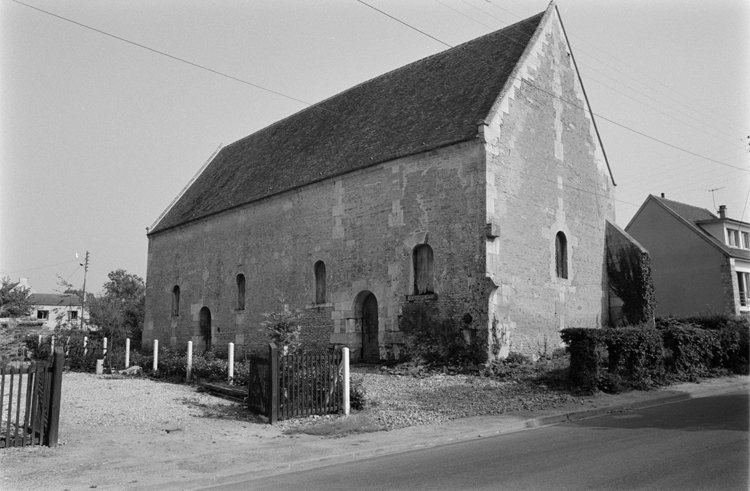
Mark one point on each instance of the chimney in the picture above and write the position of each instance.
(722, 211)
(662, 195)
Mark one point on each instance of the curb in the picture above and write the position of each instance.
(618, 408)
(649, 401)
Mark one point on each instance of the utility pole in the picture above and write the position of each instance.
(83, 300)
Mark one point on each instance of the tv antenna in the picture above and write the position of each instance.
(713, 197)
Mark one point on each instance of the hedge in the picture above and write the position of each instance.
(641, 357)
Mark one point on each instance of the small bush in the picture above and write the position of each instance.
(583, 344)
(695, 352)
(284, 330)
(436, 337)
(357, 394)
(635, 357)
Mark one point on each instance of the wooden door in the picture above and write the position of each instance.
(205, 326)
(370, 349)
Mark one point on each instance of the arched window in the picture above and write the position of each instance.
(561, 255)
(240, 291)
(320, 282)
(175, 301)
(422, 258)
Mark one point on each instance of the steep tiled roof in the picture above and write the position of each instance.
(433, 102)
(691, 215)
(55, 299)
(688, 212)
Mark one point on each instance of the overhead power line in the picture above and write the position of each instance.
(569, 102)
(202, 67)
(177, 58)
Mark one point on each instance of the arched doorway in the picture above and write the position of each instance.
(370, 348)
(205, 327)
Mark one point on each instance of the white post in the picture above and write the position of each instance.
(67, 346)
(127, 352)
(189, 360)
(345, 361)
(39, 343)
(156, 354)
(52, 344)
(85, 343)
(231, 362)
(104, 347)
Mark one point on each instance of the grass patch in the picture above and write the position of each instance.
(355, 423)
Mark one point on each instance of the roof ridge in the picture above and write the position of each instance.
(408, 66)
(429, 103)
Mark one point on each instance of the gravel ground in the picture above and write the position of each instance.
(118, 433)
(396, 401)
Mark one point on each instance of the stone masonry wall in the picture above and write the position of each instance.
(364, 226)
(546, 173)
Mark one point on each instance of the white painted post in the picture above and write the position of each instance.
(231, 363)
(85, 344)
(104, 347)
(39, 343)
(67, 346)
(156, 354)
(189, 360)
(52, 344)
(127, 352)
(345, 361)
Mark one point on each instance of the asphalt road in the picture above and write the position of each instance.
(699, 444)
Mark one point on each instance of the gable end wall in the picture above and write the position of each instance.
(546, 173)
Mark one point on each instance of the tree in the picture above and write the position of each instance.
(14, 302)
(120, 310)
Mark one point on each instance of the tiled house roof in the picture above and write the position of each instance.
(428, 104)
(55, 299)
(693, 214)
(687, 212)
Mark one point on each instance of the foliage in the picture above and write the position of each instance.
(697, 352)
(436, 337)
(733, 338)
(641, 357)
(635, 356)
(120, 310)
(583, 344)
(14, 337)
(14, 302)
(629, 273)
(357, 394)
(284, 330)
(706, 320)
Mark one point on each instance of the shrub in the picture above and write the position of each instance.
(583, 344)
(357, 394)
(635, 357)
(172, 365)
(694, 351)
(436, 337)
(283, 329)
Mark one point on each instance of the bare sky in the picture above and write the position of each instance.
(98, 135)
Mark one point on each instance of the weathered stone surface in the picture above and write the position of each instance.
(489, 208)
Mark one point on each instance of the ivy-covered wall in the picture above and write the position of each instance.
(631, 285)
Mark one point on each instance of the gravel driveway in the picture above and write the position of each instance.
(121, 432)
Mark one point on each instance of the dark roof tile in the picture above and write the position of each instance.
(430, 103)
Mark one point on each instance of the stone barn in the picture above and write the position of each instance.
(474, 180)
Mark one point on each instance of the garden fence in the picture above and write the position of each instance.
(299, 384)
(30, 397)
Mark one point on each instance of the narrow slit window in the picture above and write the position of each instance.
(175, 301)
(240, 291)
(561, 255)
(423, 258)
(320, 282)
